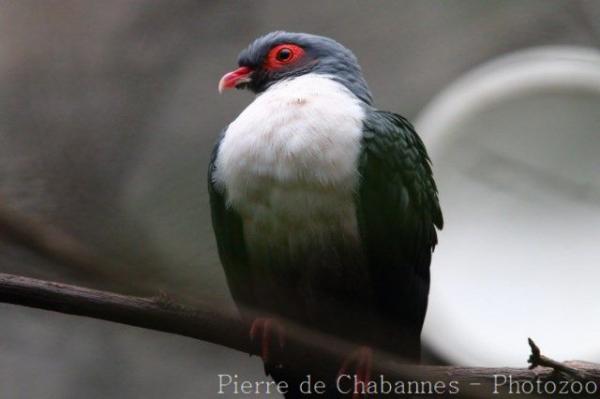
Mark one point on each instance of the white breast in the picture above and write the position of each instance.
(288, 162)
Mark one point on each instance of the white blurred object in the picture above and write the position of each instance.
(516, 151)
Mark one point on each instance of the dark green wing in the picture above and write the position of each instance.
(227, 225)
(397, 212)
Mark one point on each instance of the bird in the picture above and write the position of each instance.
(324, 208)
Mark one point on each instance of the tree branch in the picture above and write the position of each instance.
(207, 324)
(536, 359)
(307, 350)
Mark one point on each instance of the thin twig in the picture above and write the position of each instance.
(536, 359)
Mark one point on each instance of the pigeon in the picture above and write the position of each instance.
(324, 208)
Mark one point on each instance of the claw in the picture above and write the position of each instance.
(265, 327)
(361, 362)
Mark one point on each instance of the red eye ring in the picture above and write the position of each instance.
(283, 54)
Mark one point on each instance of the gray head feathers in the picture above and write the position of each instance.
(321, 55)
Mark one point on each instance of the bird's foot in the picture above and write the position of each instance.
(358, 365)
(264, 328)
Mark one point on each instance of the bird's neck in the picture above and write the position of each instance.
(304, 131)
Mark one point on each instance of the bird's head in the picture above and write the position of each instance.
(279, 55)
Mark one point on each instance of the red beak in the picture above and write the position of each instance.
(234, 78)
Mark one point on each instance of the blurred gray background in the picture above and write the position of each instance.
(108, 112)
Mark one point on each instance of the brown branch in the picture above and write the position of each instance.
(156, 313)
(307, 350)
(536, 359)
(302, 345)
